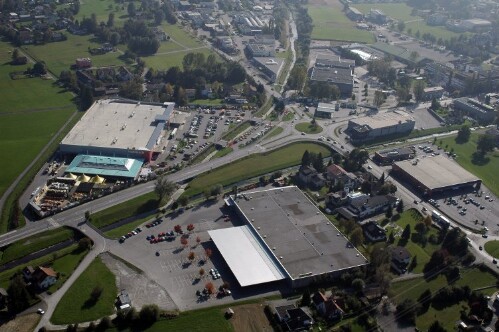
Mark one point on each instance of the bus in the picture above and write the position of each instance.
(172, 134)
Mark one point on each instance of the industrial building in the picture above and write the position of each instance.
(326, 110)
(334, 62)
(270, 67)
(107, 167)
(341, 77)
(260, 50)
(380, 125)
(285, 237)
(433, 175)
(388, 156)
(475, 109)
(118, 128)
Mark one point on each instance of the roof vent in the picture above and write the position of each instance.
(258, 228)
(273, 248)
(280, 257)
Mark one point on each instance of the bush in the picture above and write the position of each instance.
(149, 314)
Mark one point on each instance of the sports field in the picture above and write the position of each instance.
(32, 111)
(330, 23)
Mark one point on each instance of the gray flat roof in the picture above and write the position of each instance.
(333, 75)
(272, 63)
(383, 120)
(247, 259)
(437, 172)
(296, 233)
(120, 125)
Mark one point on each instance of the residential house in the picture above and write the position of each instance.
(327, 307)
(336, 174)
(44, 277)
(310, 177)
(81, 63)
(373, 232)
(337, 199)
(401, 258)
(363, 207)
(295, 319)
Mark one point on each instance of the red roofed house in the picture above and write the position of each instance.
(336, 173)
(44, 277)
(327, 307)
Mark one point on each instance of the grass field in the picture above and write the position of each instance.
(66, 261)
(102, 9)
(330, 23)
(140, 204)
(35, 243)
(254, 166)
(274, 132)
(33, 106)
(472, 277)
(124, 229)
(211, 102)
(76, 306)
(398, 11)
(492, 248)
(225, 151)
(308, 128)
(437, 31)
(486, 171)
(235, 131)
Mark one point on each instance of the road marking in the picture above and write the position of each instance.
(8, 234)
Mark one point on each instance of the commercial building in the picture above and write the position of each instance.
(475, 109)
(117, 128)
(334, 62)
(380, 125)
(107, 167)
(433, 175)
(377, 16)
(285, 237)
(270, 67)
(354, 14)
(263, 50)
(388, 156)
(326, 110)
(476, 25)
(341, 77)
(433, 92)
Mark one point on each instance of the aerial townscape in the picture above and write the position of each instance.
(249, 165)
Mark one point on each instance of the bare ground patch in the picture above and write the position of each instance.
(24, 323)
(250, 318)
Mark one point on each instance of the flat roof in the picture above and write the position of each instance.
(272, 63)
(296, 232)
(248, 260)
(333, 75)
(105, 166)
(383, 120)
(120, 125)
(437, 172)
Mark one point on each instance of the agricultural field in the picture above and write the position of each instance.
(77, 305)
(29, 105)
(398, 11)
(485, 170)
(331, 23)
(254, 166)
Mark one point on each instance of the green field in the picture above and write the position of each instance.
(33, 106)
(61, 55)
(486, 171)
(437, 31)
(75, 305)
(210, 102)
(472, 277)
(308, 128)
(124, 229)
(330, 23)
(138, 205)
(225, 151)
(102, 10)
(398, 11)
(274, 132)
(66, 261)
(35, 243)
(254, 166)
(492, 248)
(167, 60)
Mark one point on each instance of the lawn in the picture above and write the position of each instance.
(274, 132)
(209, 102)
(124, 229)
(140, 204)
(330, 23)
(167, 60)
(437, 31)
(225, 151)
(398, 11)
(492, 248)
(472, 277)
(61, 55)
(102, 9)
(35, 243)
(254, 166)
(77, 306)
(66, 261)
(487, 171)
(235, 131)
(308, 128)
(288, 116)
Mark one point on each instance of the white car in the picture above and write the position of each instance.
(40, 311)
(369, 167)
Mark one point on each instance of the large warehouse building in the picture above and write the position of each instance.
(285, 237)
(380, 125)
(117, 128)
(433, 175)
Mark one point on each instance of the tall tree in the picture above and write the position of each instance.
(418, 89)
(164, 188)
(305, 159)
(486, 143)
(18, 295)
(463, 134)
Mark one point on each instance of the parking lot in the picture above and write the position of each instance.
(168, 262)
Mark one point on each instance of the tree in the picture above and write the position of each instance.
(358, 284)
(84, 243)
(164, 188)
(86, 98)
(305, 159)
(110, 20)
(414, 263)
(210, 287)
(418, 89)
(424, 300)
(87, 215)
(174, 205)
(400, 26)
(190, 227)
(201, 272)
(420, 228)
(149, 314)
(131, 9)
(435, 104)
(486, 143)
(379, 98)
(159, 16)
(427, 221)
(104, 324)
(198, 240)
(208, 253)
(39, 68)
(177, 229)
(183, 200)
(406, 234)
(437, 327)
(216, 190)
(184, 242)
(406, 311)
(463, 134)
(389, 212)
(400, 206)
(306, 299)
(15, 54)
(18, 295)
(357, 236)
(191, 256)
